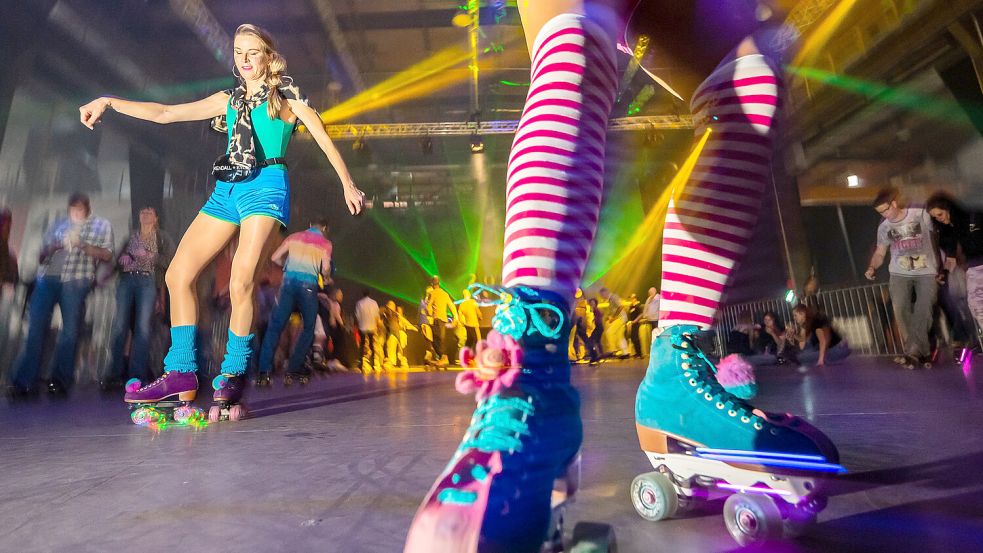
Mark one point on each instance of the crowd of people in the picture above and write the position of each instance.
(934, 255)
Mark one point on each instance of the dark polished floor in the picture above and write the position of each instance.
(342, 464)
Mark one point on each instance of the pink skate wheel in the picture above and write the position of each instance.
(183, 413)
(132, 385)
(236, 412)
(219, 382)
(214, 413)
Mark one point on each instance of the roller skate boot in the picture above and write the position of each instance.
(707, 443)
(167, 398)
(300, 378)
(227, 399)
(497, 492)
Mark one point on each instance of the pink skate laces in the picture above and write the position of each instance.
(516, 317)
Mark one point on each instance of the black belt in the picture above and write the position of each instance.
(272, 161)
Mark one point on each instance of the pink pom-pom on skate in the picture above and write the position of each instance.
(737, 376)
(132, 385)
(495, 365)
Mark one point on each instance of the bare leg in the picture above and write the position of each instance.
(252, 243)
(201, 243)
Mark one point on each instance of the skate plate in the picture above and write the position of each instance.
(225, 411)
(768, 495)
(587, 537)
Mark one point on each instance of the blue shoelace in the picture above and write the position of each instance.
(516, 317)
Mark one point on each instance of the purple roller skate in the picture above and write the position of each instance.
(227, 398)
(169, 396)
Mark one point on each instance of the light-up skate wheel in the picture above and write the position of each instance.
(752, 518)
(654, 496)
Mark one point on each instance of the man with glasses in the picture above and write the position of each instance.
(914, 268)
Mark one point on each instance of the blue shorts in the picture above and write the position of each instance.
(268, 195)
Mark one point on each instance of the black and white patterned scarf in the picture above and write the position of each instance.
(242, 151)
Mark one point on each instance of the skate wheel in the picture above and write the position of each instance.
(592, 537)
(183, 413)
(288, 380)
(219, 382)
(752, 518)
(132, 385)
(214, 413)
(654, 496)
(236, 412)
(140, 416)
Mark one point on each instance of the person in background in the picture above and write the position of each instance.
(142, 264)
(819, 344)
(8, 260)
(767, 341)
(470, 319)
(595, 329)
(338, 360)
(425, 321)
(404, 326)
(391, 327)
(439, 306)
(961, 231)
(306, 260)
(70, 251)
(579, 348)
(914, 267)
(635, 314)
(367, 317)
(650, 314)
(614, 322)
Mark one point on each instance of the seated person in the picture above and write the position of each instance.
(818, 343)
(767, 342)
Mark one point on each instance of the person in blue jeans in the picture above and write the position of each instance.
(306, 261)
(142, 265)
(70, 251)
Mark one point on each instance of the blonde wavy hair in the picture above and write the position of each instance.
(274, 68)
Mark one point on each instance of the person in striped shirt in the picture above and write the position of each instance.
(306, 260)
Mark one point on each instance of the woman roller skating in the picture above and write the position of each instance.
(251, 197)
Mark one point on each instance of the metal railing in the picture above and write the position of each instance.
(862, 315)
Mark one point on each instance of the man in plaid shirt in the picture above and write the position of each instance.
(71, 249)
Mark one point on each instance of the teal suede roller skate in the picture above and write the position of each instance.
(707, 443)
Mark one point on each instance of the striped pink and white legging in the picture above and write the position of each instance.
(707, 230)
(556, 166)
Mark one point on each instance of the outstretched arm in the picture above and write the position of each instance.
(353, 196)
(206, 108)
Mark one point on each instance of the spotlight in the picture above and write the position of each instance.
(461, 19)
(853, 181)
(477, 144)
(426, 144)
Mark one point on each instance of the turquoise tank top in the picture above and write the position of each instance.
(270, 136)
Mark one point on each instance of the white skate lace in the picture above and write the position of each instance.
(700, 371)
